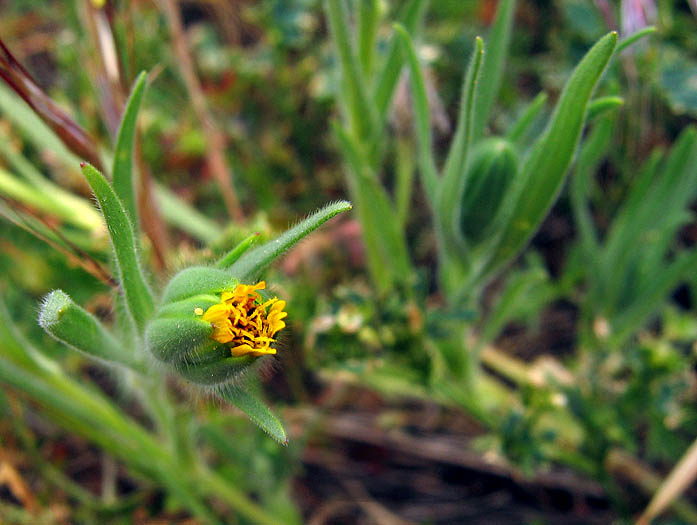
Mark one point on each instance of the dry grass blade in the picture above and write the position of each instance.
(673, 486)
(74, 254)
(65, 127)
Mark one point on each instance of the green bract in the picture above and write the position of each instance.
(492, 168)
(180, 339)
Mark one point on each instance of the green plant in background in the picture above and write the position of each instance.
(491, 194)
(626, 285)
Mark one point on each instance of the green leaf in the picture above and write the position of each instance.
(630, 319)
(237, 251)
(257, 411)
(122, 170)
(492, 66)
(382, 236)
(519, 130)
(254, 261)
(368, 18)
(72, 325)
(625, 43)
(454, 182)
(361, 110)
(138, 295)
(422, 119)
(410, 16)
(543, 173)
(601, 105)
(594, 148)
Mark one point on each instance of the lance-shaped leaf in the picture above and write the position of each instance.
(360, 108)
(80, 330)
(422, 119)
(257, 411)
(122, 170)
(231, 257)
(543, 172)
(135, 288)
(602, 105)
(410, 16)
(492, 68)
(252, 262)
(368, 19)
(519, 130)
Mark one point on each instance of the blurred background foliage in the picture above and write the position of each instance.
(588, 338)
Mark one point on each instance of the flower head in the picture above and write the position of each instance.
(245, 321)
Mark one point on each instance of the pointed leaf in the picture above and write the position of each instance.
(410, 16)
(601, 105)
(422, 119)
(253, 262)
(492, 67)
(624, 44)
(135, 288)
(122, 170)
(360, 108)
(257, 411)
(520, 128)
(234, 254)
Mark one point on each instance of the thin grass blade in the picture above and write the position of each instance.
(122, 170)
(253, 262)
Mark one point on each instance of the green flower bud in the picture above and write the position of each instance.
(493, 167)
(210, 328)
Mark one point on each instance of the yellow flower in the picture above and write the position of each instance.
(242, 320)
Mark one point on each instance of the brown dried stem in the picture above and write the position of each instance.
(215, 155)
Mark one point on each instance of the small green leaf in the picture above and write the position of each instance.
(257, 411)
(122, 170)
(624, 44)
(254, 261)
(601, 105)
(237, 251)
(492, 66)
(520, 128)
(80, 330)
(138, 295)
(592, 151)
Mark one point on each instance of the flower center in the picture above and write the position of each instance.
(242, 320)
